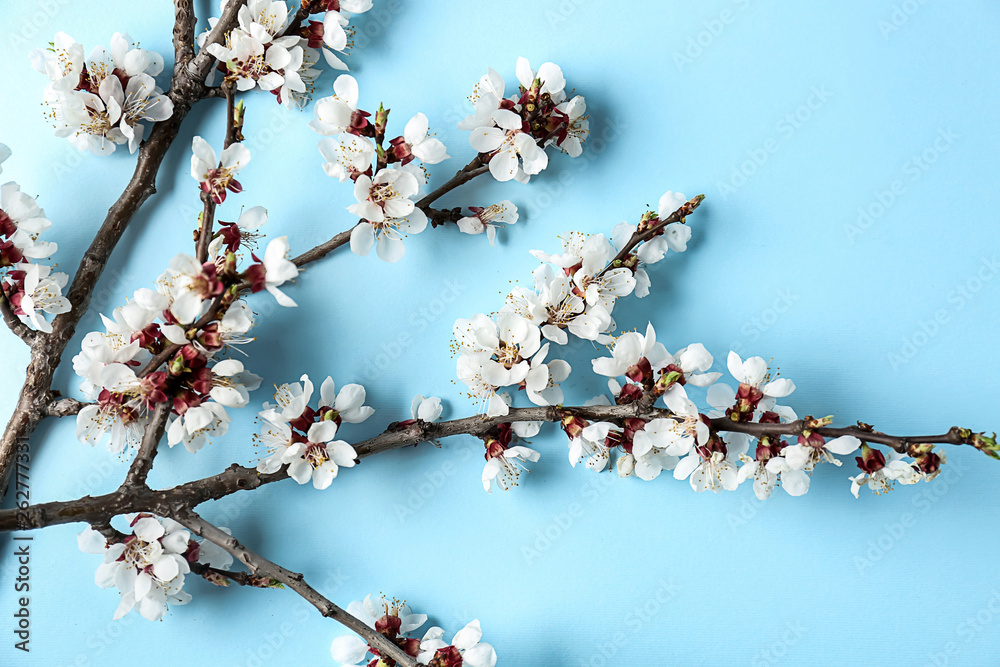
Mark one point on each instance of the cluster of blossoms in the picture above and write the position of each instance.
(386, 179)
(574, 292)
(104, 99)
(149, 564)
(304, 438)
(513, 132)
(267, 51)
(165, 344)
(684, 441)
(30, 288)
(394, 621)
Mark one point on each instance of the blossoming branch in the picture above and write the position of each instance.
(162, 365)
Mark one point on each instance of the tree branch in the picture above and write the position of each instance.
(184, 26)
(64, 407)
(475, 168)
(862, 432)
(197, 68)
(143, 462)
(400, 434)
(260, 566)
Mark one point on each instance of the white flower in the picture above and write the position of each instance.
(387, 212)
(426, 149)
(42, 293)
(541, 384)
(794, 481)
(232, 383)
(467, 642)
(21, 223)
(757, 390)
(320, 457)
(487, 219)
(4, 154)
(62, 63)
(556, 308)
(100, 349)
(507, 345)
(278, 270)
(197, 425)
(485, 98)
(503, 468)
(714, 467)
(339, 113)
(263, 19)
(590, 444)
(470, 371)
(893, 468)
(276, 436)
(549, 74)
(805, 457)
(335, 35)
(629, 350)
(147, 569)
(577, 126)
(351, 650)
(103, 101)
(346, 155)
(114, 417)
(141, 100)
(507, 142)
(348, 402)
(426, 409)
(216, 177)
(291, 400)
(676, 234)
(254, 59)
(676, 435)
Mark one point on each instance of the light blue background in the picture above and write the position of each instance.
(631, 572)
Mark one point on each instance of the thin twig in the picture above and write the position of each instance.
(64, 407)
(198, 68)
(323, 249)
(475, 168)
(262, 567)
(143, 462)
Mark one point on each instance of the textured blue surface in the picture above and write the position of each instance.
(848, 152)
